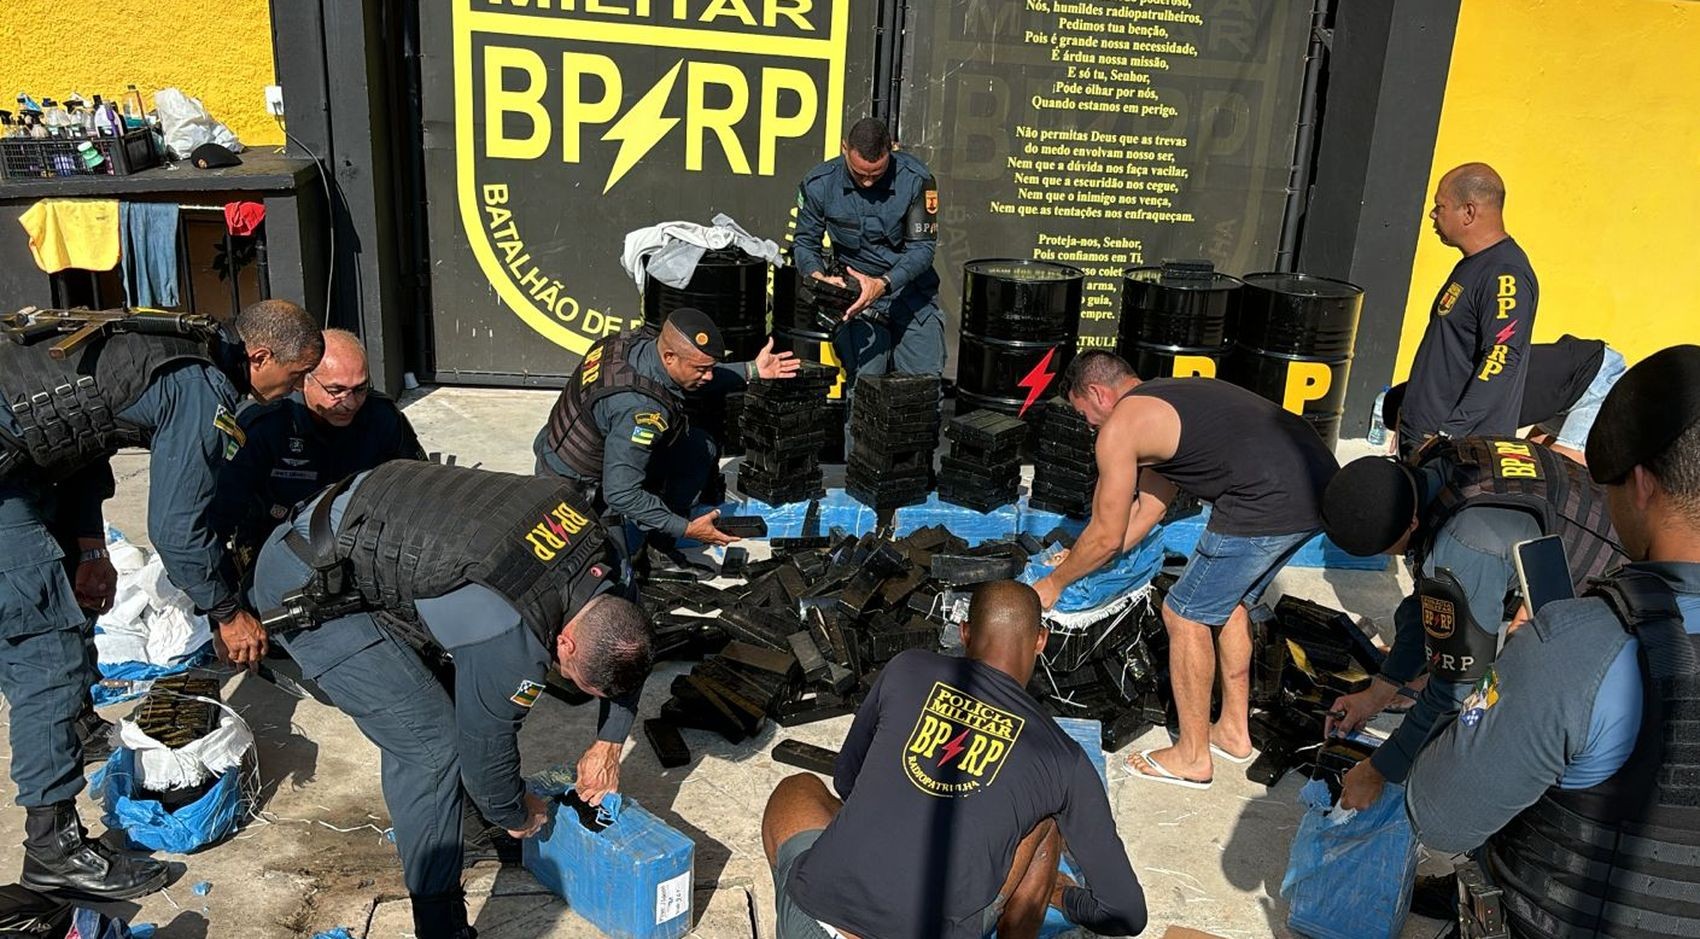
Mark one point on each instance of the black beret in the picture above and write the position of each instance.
(1369, 504)
(698, 330)
(1649, 407)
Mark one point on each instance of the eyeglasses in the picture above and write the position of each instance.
(339, 393)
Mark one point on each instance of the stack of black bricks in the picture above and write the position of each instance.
(784, 424)
(1065, 470)
(983, 469)
(894, 426)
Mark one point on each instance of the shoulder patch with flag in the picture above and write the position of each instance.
(526, 695)
(643, 436)
(232, 431)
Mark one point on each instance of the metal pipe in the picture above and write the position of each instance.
(1304, 143)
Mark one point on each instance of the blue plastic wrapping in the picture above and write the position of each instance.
(137, 672)
(93, 924)
(1039, 523)
(1350, 874)
(971, 525)
(632, 880)
(148, 825)
(1121, 577)
(1090, 735)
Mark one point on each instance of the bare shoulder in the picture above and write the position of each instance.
(1147, 427)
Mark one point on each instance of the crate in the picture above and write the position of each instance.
(49, 157)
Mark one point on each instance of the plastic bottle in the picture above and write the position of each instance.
(135, 113)
(1377, 429)
(106, 119)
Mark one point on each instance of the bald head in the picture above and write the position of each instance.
(1004, 628)
(337, 388)
(1469, 205)
(1475, 183)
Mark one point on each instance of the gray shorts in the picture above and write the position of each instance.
(792, 922)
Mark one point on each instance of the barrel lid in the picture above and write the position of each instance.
(728, 257)
(1302, 285)
(1023, 270)
(1154, 275)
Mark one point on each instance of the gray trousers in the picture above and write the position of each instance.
(46, 666)
(381, 682)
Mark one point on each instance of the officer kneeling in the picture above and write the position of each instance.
(512, 576)
(1575, 755)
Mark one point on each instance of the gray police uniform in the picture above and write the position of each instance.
(289, 455)
(161, 392)
(1481, 496)
(1578, 753)
(889, 229)
(491, 579)
(619, 432)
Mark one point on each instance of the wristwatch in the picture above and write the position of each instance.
(887, 281)
(92, 554)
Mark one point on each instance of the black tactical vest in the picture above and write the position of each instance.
(67, 409)
(1621, 859)
(415, 530)
(1506, 472)
(606, 370)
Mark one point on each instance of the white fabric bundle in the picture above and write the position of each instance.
(160, 767)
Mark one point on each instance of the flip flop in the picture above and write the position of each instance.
(1236, 760)
(1162, 775)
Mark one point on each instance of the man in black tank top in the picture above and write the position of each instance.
(1263, 471)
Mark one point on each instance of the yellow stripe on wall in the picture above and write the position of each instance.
(1590, 110)
(220, 52)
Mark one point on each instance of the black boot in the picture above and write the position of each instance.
(441, 916)
(482, 840)
(60, 858)
(94, 734)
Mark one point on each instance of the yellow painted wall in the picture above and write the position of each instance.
(1590, 111)
(217, 50)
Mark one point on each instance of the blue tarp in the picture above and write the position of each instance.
(141, 672)
(149, 825)
(1119, 578)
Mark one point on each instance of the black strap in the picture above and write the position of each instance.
(318, 549)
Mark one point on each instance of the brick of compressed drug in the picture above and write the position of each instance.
(810, 707)
(760, 657)
(962, 571)
(808, 655)
(668, 744)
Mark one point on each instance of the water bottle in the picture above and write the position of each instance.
(1377, 429)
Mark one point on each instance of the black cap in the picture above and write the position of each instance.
(1369, 504)
(698, 330)
(210, 155)
(1649, 407)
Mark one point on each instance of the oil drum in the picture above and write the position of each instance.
(1293, 342)
(731, 287)
(1020, 323)
(1174, 323)
(797, 330)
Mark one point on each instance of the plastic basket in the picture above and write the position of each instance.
(49, 157)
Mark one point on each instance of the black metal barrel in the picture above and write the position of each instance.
(1174, 323)
(1020, 323)
(1293, 340)
(731, 287)
(796, 329)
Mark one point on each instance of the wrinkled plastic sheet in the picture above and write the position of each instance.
(1350, 873)
(149, 825)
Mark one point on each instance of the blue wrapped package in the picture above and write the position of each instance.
(149, 825)
(1090, 735)
(1110, 583)
(1321, 551)
(1350, 874)
(970, 525)
(632, 880)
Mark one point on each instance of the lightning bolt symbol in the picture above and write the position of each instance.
(1506, 333)
(641, 127)
(1037, 380)
(953, 748)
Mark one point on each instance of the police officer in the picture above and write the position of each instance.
(1458, 515)
(512, 576)
(881, 209)
(334, 427)
(619, 432)
(153, 386)
(1577, 747)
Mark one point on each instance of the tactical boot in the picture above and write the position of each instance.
(94, 734)
(483, 840)
(441, 916)
(60, 858)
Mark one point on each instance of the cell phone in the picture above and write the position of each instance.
(1543, 572)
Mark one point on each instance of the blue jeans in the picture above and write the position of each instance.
(1570, 428)
(1228, 570)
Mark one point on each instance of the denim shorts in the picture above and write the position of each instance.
(1228, 570)
(1570, 428)
(793, 922)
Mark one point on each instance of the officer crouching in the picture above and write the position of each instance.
(512, 576)
(619, 432)
(1572, 766)
(1458, 515)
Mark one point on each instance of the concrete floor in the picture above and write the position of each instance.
(316, 857)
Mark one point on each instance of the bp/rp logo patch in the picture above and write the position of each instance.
(959, 743)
